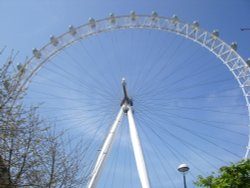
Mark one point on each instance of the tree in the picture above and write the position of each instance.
(32, 152)
(237, 175)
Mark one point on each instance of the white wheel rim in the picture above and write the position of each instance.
(218, 47)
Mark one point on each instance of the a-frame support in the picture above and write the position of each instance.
(126, 108)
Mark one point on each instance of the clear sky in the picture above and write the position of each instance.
(28, 23)
(188, 107)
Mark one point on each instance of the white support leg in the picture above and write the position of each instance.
(140, 163)
(104, 151)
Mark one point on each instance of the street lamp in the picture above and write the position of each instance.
(183, 168)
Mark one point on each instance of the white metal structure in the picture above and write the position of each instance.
(141, 166)
(126, 108)
(104, 151)
(210, 40)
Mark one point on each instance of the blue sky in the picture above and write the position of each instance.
(34, 21)
(188, 107)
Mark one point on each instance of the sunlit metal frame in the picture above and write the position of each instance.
(210, 40)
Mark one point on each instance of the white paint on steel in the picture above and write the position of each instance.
(104, 151)
(138, 153)
(210, 40)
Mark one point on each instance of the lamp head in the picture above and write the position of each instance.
(183, 168)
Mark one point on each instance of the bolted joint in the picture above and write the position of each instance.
(127, 101)
(125, 109)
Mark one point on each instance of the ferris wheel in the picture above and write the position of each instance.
(144, 93)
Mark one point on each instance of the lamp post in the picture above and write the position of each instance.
(183, 168)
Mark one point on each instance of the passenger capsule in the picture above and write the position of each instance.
(234, 46)
(248, 62)
(92, 22)
(195, 25)
(36, 53)
(54, 40)
(175, 19)
(112, 18)
(72, 30)
(133, 15)
(216, 33)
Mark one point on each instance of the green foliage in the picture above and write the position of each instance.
(237, 175)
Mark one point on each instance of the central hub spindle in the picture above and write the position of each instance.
(126, 101)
